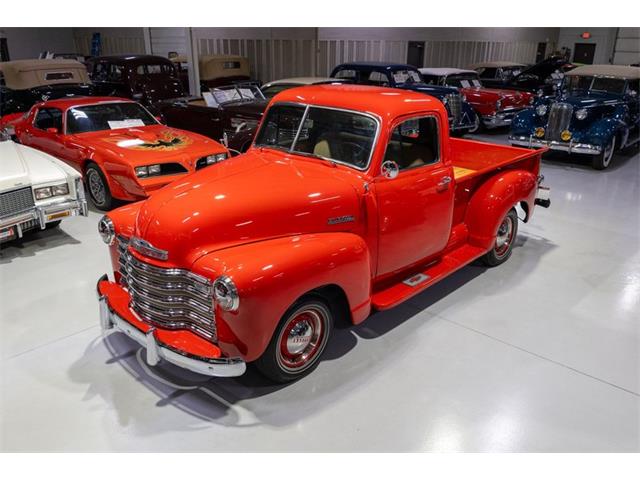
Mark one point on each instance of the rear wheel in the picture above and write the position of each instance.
(603, 159)
(505, 237)
(98, 188)
(299, 340)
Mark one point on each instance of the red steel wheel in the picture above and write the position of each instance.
(505, 238)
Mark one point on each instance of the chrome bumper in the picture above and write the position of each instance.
(501, 119)
(45, 214)
(568, 147)
(111, 322)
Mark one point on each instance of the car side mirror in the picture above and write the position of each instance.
(53, 130)
(389, 169)
(633, 93)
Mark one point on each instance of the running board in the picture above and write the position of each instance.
(418, 282)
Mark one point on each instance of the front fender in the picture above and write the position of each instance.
(271, 275)
(491, 202)
(525, 122)
(601, 131)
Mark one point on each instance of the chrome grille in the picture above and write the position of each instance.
(168, 297)
(15, 202)
(454, 106)
(559, 119)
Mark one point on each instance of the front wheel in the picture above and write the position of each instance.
(298, 342)
(603, 159)
(98, 188)
(505, 237)
(477, 126)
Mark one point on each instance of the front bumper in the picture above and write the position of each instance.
(40, 215)
(500, 119)
(147, 336)
(569, 147)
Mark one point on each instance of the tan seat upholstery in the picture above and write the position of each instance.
(322, 149)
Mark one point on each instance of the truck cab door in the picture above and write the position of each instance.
(415, 195)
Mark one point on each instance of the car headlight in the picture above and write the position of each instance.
(541, 110)
(53, 191)
(107, 230)
(540, 92)
(215, 158)
(581, 114)
(225, 294)
(142, 171)
(498, 104)
(148, 170)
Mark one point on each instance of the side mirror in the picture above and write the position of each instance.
(52, 130)
(633, 93)
(389, 169)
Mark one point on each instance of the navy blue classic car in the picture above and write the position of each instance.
(595, 113)
(462, 117)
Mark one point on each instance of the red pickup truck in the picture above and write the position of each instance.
(351, 199)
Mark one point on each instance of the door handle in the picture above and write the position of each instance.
(444, 183)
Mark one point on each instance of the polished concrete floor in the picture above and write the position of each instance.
(540, 354)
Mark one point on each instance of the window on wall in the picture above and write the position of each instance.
(414, 143)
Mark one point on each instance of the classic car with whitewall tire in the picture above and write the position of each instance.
(26, 82)
(37, 191)
(596, 113)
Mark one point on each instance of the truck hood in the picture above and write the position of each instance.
(21, 166)
(150, 144)
(258, 195)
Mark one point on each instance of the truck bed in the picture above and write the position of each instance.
(471, 158)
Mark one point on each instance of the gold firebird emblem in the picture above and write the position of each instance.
(166, 141)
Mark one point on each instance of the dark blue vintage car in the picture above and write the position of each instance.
(596, 113)
(462, 117)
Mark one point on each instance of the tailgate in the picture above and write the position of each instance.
(471, 158)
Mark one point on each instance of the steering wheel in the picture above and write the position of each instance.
(355, 151)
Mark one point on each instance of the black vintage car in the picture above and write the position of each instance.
(26, 82)
(144, 78)
(229, 114)
(543, 78)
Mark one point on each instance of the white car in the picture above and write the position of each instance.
(36, 190)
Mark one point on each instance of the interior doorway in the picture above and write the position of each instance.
(415, 54)
(584, 53)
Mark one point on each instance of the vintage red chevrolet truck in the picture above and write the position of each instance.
(351, 199)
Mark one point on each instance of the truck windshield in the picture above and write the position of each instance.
(337, 135)
(107, 116)
(597, 84)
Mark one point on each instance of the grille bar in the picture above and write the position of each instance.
(454, 106)
(171, 298)
(16, 201)
(559, 120)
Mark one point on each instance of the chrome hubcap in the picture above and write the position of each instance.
(96, 187)
(504, 237)
(301, 339)
(608, 153)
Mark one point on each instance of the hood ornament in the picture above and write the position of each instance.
(145, 248)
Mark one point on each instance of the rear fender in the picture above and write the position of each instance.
(271, 275)
(491, 202)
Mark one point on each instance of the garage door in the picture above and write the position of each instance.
(627, 49)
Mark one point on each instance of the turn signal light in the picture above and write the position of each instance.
(539, 132)
(565, 135)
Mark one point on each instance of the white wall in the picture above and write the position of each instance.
(30, 42)
(115, 41)
(627, 49)
(604, 38)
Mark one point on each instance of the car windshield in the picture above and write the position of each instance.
(233, 93)
(107, 116)
(406, 77)
(337, 135)
(464, 80)
(597, 84)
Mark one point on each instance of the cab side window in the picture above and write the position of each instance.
(100, 72)
(48, 118)
(115, 73)
(414, 143)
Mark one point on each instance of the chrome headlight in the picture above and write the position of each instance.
(581, 114)
(541, 110)
(225, 294)
(107, 230)
(531, 100)
(53, 191)
(498, 104)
